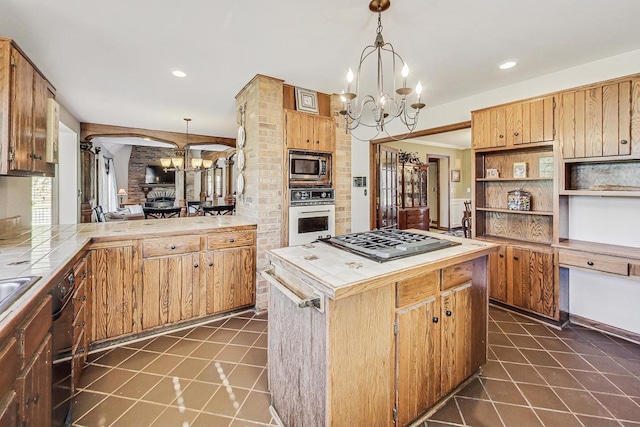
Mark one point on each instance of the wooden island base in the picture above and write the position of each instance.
(373, 344)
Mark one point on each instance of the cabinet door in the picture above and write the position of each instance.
(115, 291)
(596, 122)
(21, 112)
(230, 279)
(498, 121)
(9, 410)
(513, 113)
(456, 357)
(34, 388)
(417, 360)
(481, 129)
(498, 275)
(39, 148)
(538, 120)
(293, 129)
(324, 134)
(532, 281)
(171, 289)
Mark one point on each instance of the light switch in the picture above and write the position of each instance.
(468, 190)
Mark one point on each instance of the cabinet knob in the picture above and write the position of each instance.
(232, 240)
(307, 140)
(435, 319)
(515, 257)
(82, 324)
(516, 133)
(448, 313)
(195, 265)
(210, 264)
(173, 246)
(501, 255)
(624, 141)
(589, 262)
(317, 142)
(500, 136)
(82, 298)
(81, 350)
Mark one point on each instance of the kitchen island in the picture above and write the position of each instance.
(354, 342)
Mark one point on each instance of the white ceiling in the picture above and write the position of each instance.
(111, 61)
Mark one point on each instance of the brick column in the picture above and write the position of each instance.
(263, 173)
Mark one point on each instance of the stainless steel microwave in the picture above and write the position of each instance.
(309, 168)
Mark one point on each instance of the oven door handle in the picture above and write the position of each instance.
(314, 212)
(291, 292)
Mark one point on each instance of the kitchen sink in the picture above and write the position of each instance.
(11, 289)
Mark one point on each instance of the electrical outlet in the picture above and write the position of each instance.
(468, 190)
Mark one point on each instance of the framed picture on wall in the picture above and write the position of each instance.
(455, 175)
(306, 100)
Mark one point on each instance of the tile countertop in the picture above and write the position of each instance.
(45, 250)
(338, 273)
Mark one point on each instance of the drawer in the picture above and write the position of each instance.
(79, 358)
(78, 325)
(80, 269)
(604, 263)
(457, 274)
(415, 215)
(8, 365)
(417, 289)
(174, 245)
(31, 332)
(230, 239)
(79, 297)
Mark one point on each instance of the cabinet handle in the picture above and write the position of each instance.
(232, 240)
(82, 298)
(624, 141)
(435, 319)
(82, 324)
(210, 264)
(448, 313)
(501, 255)
(81, 350)
(195, 265)
(515, 257)
(173, 246)
(589, 262)
(34, 400)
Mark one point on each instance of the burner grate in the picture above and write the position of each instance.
(388, 244)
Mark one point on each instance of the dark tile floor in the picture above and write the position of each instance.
(215, 375)
(538, 376)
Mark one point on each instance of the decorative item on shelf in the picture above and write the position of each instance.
(240, 184)
(383, 106)
(520, 170)
(545, 167)
(121, 193)
(455, 175)
(405, 157)
(178, 163)
(519, 200)
(306, 100)
(492, 173)
(242, 135)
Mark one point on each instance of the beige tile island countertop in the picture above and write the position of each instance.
(46, 251)
(338, 273)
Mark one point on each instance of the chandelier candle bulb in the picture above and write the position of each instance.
(405, 73)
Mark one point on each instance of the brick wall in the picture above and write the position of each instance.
(264, 173)
(141, 157)
(342, 181)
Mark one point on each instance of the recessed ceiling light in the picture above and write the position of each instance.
(179, 73)
(508, 64)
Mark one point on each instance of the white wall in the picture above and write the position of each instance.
(68, 200)
(591, 295)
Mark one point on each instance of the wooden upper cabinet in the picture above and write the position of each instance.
(597, 121)
(23, 114)
(513, 124)
(309, 131)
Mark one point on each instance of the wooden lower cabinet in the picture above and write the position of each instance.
(115, 290)
(145, 284)
(34, 388)
(418, 376)
(439, 327)
(172, 289)
(413, 218)
(230, 279)
(524, 277)
(9, 410)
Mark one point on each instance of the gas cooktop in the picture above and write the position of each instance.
(388, 244)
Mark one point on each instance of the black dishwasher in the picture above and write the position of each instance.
(62, 391)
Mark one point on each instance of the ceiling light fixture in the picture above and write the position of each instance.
(176, 163)
(384, 107)
(179, 73)
(508, 64)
